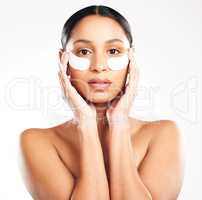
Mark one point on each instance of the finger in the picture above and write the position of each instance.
(60, 81)
(72, 96)
(69, 90)
(64, 59)
(131, 72)
(62, 84)
(137, 72)
(65, 78)
(63, 64)
(66, 92)
(130, 89)
(65, 87)
(62, 68)
(134, 80)
(72, 92)
(131, 65)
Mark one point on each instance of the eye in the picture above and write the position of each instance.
(113, 51)
(83, 52)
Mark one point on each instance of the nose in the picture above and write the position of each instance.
(98, 63)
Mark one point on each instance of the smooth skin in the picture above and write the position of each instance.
(102, 153)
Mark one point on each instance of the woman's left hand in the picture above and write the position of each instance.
(117, 114)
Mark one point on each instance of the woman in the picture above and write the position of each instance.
(101, 153)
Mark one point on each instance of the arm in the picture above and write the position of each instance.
(161, 172)
(44, 174)
(92, 183)
(125, 182)
(47, 178)
(163, 168)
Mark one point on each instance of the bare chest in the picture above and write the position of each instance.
(69, 152)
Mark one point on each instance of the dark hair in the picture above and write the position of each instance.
(94, 10)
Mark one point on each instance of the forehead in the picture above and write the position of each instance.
(98, 30)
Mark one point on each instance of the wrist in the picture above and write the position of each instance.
(118, 121)
(120, 132)
(88, 129)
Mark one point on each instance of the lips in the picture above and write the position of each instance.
(99, 83)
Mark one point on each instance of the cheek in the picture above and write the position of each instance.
(78, 80)
(119, 80)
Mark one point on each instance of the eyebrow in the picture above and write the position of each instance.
(88, 41)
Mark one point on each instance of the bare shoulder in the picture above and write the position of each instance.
(40, 162)
(164, 130)
(34, 134)
(154, 130)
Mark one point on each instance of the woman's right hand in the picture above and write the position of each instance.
(85, 114)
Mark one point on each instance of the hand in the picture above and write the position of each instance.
(120, 106)
(85, 114)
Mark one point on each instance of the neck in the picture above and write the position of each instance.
(101, 119)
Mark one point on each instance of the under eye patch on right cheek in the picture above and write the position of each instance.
(78, 62)
(114, 63)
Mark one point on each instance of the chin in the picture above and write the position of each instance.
(99, 97)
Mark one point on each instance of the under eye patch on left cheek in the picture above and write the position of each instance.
(118, 63)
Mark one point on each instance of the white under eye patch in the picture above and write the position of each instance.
(114, 63)
(78, 62)
(118, 63)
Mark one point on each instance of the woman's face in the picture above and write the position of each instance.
(96, 39)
